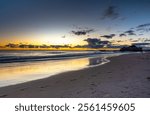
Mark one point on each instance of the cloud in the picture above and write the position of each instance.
(79, 33)
(141, 43)
(143, 25)
(82, 32)
(140, 29)
(111, 13)
(147, 40)
(93, 40)
(96, 43)
(130, 32)
(109, 36)
(121, 35)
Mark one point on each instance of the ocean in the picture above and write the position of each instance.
(23, 66)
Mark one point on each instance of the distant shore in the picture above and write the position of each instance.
(126, 76)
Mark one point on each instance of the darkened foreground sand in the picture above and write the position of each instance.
(125, 76)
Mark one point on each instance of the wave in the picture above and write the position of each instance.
(25, 57)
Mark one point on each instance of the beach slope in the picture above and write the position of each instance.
(126, 76)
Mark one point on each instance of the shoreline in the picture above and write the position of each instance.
(124, 76)
(30, 71)
(59, 49)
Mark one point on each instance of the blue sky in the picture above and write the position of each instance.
(47, 21)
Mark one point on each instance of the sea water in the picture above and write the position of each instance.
(23, 66)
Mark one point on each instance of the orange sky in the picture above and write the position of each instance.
(47, 39)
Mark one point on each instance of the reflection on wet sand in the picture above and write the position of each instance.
(14, 73)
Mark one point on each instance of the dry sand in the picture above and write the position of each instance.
(126, 76)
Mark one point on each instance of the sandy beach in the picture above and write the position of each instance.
(126, 76)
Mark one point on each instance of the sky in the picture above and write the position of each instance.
(72, 21)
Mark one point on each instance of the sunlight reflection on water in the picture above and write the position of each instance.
(14, 73)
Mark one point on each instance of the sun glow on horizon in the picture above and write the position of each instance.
(41, 39)
(58, 39)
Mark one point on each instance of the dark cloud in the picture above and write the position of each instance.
(121, 35)
(140, 29)
(82, 32)
(141, 43)
(143, 30)
(130, 32)
(143, 25)
(111, 13)
(109, 36)
(96, 43)
(93, 40)
(79, 33)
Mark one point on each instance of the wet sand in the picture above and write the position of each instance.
(126, 76)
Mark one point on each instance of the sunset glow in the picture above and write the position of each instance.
(58, 23)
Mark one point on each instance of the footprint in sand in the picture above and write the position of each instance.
(23, 89)
(95, 75)
(126, 87)
(109, 72)
(93, 84)
(122, 91)
(78, 92)
(93, 88)
(44, 86)
(148, 78)
(3, 96)
(73, 79)
(93, 92)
